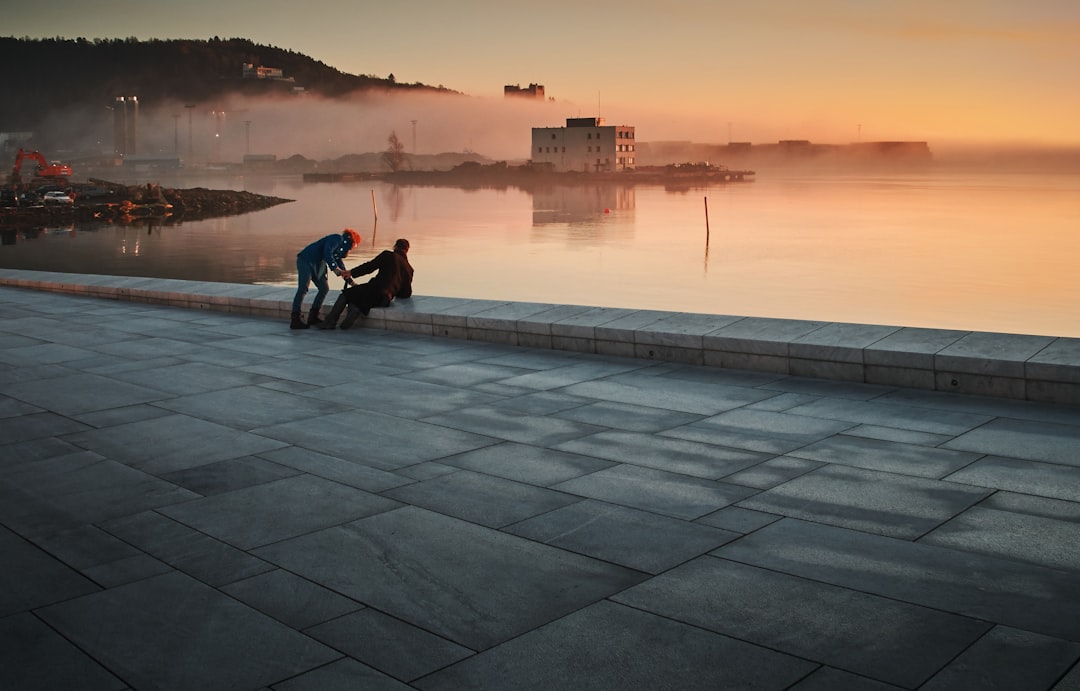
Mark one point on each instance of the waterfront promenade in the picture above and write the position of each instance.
(474, 495)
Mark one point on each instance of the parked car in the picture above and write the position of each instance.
(56, 198)
(95, 193)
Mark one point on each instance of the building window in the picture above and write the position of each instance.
(552, 135)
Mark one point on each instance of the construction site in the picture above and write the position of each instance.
(50, 194)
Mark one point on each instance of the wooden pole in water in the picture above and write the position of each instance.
(706, 221)
(374, 208)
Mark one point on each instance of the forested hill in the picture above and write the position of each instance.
(47, 76)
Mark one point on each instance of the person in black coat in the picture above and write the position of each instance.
(393, 279)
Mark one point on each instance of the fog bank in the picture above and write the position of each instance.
(426, 124)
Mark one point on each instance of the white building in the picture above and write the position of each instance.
(586, 145)
(250, 71)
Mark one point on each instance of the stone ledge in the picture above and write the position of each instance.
(1034, 368)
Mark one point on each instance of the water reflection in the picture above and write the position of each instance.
(393, 200)
(979, 252)
(579, 204)
(129, 244)
(11, 236)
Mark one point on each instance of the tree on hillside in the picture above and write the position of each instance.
(394, 156)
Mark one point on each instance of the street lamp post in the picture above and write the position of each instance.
(189, 106)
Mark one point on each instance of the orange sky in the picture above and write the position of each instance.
(1000, 71)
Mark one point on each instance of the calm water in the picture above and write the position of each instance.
(965, 251)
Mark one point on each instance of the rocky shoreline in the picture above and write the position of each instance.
(103, 201)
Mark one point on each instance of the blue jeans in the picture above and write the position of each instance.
(307, 273)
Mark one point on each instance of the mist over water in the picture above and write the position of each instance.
(285, 125)
(951, 250)
(319, 128)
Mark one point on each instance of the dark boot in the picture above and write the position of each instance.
(350, 317)
(335, 313)
(313, 318)
(297, 322)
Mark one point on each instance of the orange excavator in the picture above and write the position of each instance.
(45, 169)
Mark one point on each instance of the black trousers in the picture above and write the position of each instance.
(365, 296)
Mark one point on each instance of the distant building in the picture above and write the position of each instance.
(532, 91)
(126, 125)
(789, 152)
(259, 161)
(276, 74)
(151, 162)
(910, 150)
(798, 147)
(861, 153)
(586, 145)
(11, 141)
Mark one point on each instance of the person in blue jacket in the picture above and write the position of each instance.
(311, 266)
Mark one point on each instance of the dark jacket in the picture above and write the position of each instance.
(393, 279)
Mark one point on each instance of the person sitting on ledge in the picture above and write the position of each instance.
(311, 266)
(393, 280)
